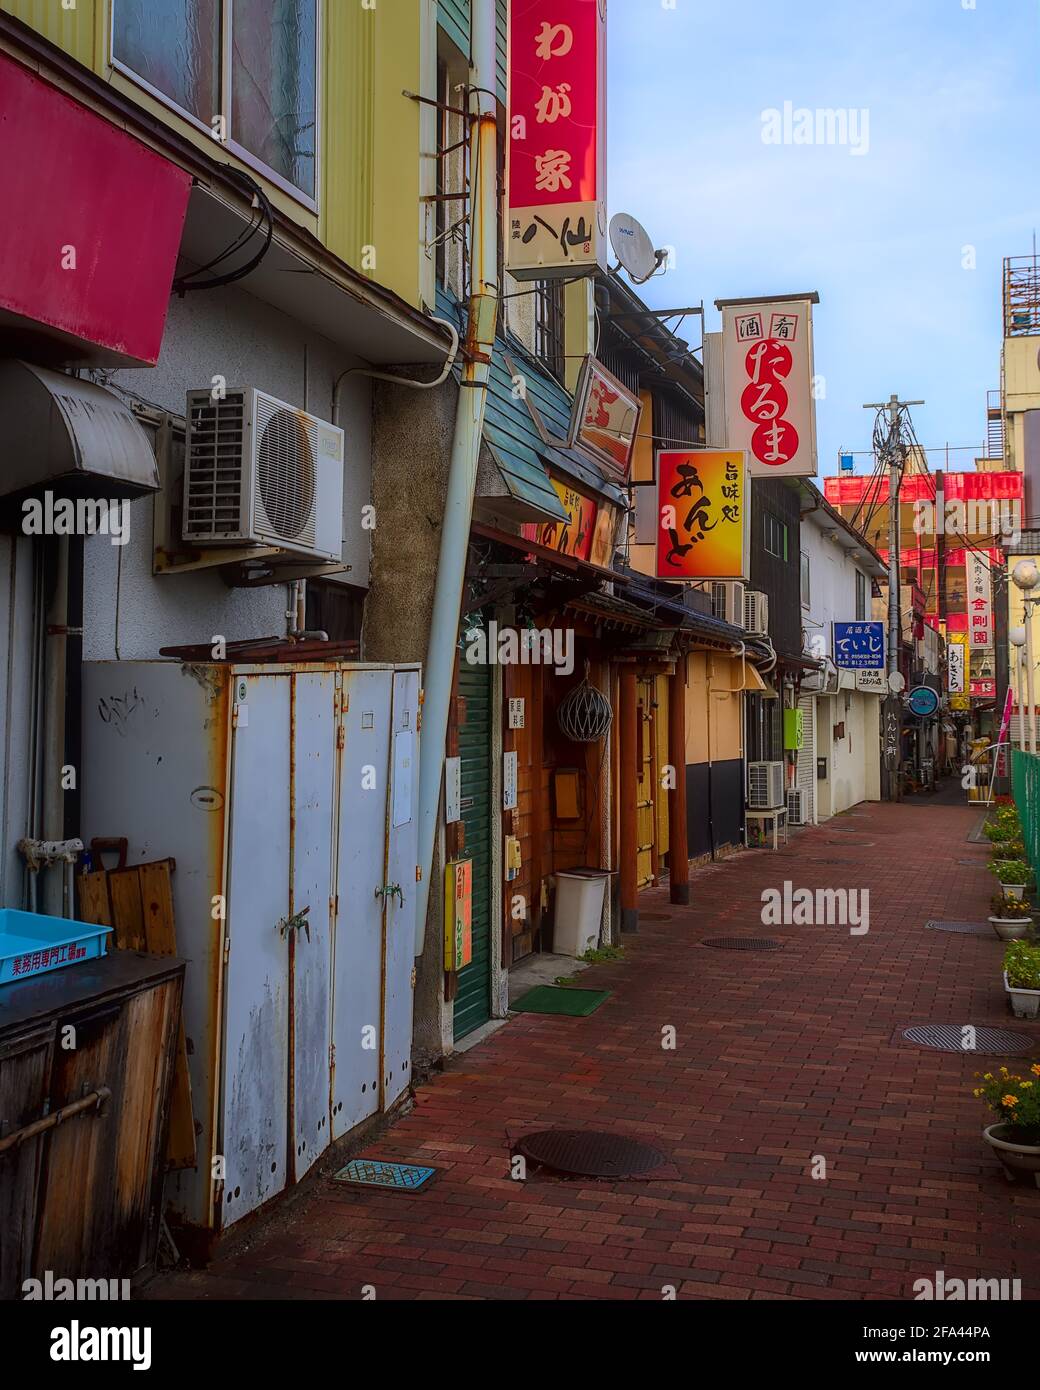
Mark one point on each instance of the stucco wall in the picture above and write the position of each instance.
(128, 612)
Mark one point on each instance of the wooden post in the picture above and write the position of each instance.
(628, 795)
(678, 855)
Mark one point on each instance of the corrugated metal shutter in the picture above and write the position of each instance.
(805, 777)
(473, 1000)
(453, 18)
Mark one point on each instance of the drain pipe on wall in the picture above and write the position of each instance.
(469, 425)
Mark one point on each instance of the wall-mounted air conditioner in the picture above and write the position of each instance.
(797, 804)
(257, 471)
(727, 601)
(756, 613)
(765, 786)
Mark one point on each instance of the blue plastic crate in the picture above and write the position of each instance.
(31, 944)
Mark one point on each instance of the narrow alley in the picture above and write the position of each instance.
(780, 1060)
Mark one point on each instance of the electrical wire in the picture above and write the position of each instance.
(260, 204)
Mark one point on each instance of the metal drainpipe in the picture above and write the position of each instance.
(469, 424)
(51, 898)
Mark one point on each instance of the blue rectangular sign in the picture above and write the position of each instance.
(859, 646)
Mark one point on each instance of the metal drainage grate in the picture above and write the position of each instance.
(375, 1172)
(589, 1154)
(832, 861)
(743, 943)
(973, 863)
(655, 916)
(995, 1042)
(964, 928)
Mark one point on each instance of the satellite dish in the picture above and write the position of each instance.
(633, 247)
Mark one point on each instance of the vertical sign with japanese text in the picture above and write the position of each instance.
(702, 514)
(958, 659)
(980, 600)
(556, 148)
(768, 368)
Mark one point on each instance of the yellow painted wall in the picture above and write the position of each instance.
(372, 174)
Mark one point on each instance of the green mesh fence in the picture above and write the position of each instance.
(1025, 788)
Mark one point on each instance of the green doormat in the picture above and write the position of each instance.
(556, 999)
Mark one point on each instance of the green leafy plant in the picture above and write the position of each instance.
(597, 954)
(1010, 908)
(1008, 849)
(998, 834)
(1022, 964)
(1016, 1100)
(1010, 870)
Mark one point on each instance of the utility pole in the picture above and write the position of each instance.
(896, 455)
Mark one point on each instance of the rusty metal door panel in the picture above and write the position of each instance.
(256, 984)
(155, 755)
(402, 856)
(25, 1070)
(314, 759)
(77, 1231)
(360, 882)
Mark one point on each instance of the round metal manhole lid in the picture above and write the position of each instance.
(951, 1038)
(963, 928)
(743, 943)
(589, 1153)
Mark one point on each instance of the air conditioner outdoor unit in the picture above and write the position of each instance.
(756, 613)
(257, 471)
(727, 601)
(765, 786)
(796, 806)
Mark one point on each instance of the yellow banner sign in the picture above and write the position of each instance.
(703, 514)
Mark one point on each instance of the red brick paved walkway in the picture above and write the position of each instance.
(779, 1057)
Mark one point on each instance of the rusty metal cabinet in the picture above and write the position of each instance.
(94, 1043)
(288, 796)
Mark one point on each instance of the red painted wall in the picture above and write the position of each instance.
(68, 178)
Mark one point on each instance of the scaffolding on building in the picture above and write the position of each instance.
(1022, 296)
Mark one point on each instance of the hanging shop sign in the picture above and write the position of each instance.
(984, 689)
(923, 701)
(980, 600)
(556, 168)
(458, 914)
(768, 368)
(859, 646)
(956, 663)
(573, 536)
(605, 417)
(871, 682)
(703, 514)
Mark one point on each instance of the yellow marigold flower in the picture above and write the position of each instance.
(1009, 1100)
(988, 1076)
(1026, 1085)
(1035, 1068)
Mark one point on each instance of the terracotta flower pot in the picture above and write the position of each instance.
(1019, 1160)
(1011, 928)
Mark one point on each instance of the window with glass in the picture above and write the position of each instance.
(775, 536)
(548, 326)
(861, 597)
(804, 579)
(253, 63)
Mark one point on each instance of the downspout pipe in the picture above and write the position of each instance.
(469, 426)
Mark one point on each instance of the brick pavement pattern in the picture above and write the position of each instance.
(779, 1058)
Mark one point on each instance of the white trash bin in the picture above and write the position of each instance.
(579, 910)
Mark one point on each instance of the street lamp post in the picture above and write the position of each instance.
(1026, 576)
(1017, 638)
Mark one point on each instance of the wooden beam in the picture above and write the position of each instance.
(678, 852)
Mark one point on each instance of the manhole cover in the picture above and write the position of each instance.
(945, 1038)
(964, 928)
(588, 1154)
(743, 943)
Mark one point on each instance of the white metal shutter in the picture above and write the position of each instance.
(805, 772)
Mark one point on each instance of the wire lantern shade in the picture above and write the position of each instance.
(584, 715)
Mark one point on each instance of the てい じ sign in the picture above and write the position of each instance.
(859, 646)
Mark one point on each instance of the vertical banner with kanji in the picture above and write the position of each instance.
(556, 170)
(980, 600)
(767, 355)
(703, 514)
(958, 658)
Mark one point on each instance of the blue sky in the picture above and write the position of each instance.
(952, 162)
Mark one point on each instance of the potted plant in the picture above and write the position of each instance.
(1015, 1138)
(1013, 875)
(1007, 849)
(1022, 978)
(997, 832)
(1012, 918)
